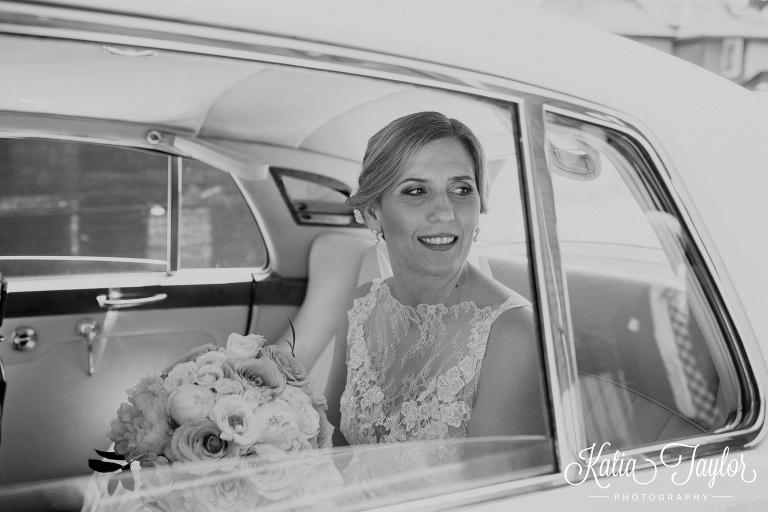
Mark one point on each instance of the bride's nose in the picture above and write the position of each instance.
(441, 209)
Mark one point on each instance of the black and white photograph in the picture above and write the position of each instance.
(346, 255)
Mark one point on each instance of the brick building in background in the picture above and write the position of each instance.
(727, 37)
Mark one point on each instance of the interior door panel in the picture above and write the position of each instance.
(56, 414)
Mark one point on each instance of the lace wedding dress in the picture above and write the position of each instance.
(412, 374)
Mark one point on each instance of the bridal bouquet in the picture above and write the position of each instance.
(224, 428)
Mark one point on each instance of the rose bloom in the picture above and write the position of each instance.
(156, 476)
(279, 424)
(271, 474)
(261, 373)
(191, 402)
(234, 416)
(217, 357)
(243, 347)
(198, 441)
(257, 396)
(225, 386)
(321, 479)
(208, 374)
(181, 374)
(191, 356)
(233, 493)
(294, 371)
(142, 426)
(309, 419)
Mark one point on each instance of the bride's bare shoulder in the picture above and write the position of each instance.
(485, 291)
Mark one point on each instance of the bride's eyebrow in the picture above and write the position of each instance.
(422, 181)
(415, 180)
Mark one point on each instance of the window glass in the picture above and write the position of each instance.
(217, 228)
(653, 363)
(75, 208)
(315, 199)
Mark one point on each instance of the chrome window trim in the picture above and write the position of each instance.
(549, 281)
(174, 212)
(46, 21)
(744, 431)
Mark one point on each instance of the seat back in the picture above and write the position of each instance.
(334, 263)
(365, 271)
(623, 417)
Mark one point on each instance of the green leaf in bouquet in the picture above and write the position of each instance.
(112, 485)
(110, 455)
(102, 466)
(126, 478)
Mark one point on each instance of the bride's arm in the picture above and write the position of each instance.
(510, 398)
(337, 379)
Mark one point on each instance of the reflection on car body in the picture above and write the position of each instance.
(212, 172)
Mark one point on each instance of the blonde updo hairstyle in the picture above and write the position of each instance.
(391, 150)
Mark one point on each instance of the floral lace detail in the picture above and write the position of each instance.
(430, 392)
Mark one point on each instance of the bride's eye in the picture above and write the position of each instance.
(415, 191)
(462, 190)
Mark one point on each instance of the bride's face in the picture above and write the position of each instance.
(430, 217)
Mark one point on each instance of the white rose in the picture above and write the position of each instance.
(242, 347)
(225, 386)
(191, 402)
(235, 418)
(208, 374)
(321, 479)
(309, 419)
(182, 373)
(271, 474)
(278, 424)
(215, 357)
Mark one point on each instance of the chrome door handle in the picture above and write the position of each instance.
(88, 329)
(24, 339)
(105, 301)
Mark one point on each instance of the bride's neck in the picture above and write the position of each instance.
(415, 289)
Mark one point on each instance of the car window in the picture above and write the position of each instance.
(76, 208)
(314, 199)
(216, 228)
(652, 359)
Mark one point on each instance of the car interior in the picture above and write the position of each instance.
(292, 139)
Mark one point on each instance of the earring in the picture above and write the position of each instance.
(375, 236)
(477, 232)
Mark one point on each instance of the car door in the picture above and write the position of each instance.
(118, 262)
(668, 402)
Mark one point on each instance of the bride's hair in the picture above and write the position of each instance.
(392, 149)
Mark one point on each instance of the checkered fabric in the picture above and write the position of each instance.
(702, 397)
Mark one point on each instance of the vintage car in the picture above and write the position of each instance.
(172, 172)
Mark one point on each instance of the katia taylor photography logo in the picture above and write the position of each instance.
(601, 465)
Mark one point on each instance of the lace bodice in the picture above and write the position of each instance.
(412, 373)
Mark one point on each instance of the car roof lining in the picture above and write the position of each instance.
(222, 99)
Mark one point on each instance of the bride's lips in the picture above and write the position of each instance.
(438, 242)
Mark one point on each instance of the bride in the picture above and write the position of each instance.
(439, 350)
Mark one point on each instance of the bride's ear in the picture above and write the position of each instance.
(371, 214)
